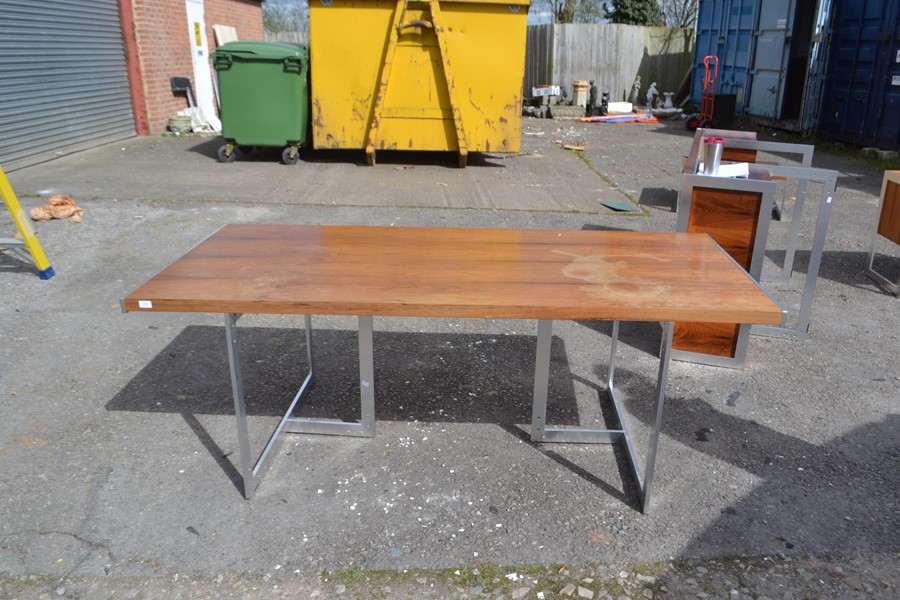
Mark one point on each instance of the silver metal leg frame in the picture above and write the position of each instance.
(790, 251)
(253, 471)
(828, 179)
(891, 286)
(804, 153)
(541, 433)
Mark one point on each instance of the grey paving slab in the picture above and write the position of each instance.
(542, 177)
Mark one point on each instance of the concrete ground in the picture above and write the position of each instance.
(118, 441)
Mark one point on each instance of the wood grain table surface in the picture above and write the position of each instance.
(456, 272)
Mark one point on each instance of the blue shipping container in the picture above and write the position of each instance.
(770, 54)
(861, 99)
(725, 30)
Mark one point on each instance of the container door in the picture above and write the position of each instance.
(725, 30)
(818, 60)
(770, 60)
(862, 91)
(888, 130)
(882, 127)
(203, 86)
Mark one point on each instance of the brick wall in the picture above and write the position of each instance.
(243, 15)
(164, 46)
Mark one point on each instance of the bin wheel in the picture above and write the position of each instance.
(290, 155)
(224, 156)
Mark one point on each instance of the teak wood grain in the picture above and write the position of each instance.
(483, 273)
(731, 218)
(717, 339)
(889, 219)
(738, 155)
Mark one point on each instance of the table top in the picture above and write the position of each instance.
(456, 272)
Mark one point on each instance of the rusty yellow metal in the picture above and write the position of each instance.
(442, 33)
(378, 111)
(441, 75)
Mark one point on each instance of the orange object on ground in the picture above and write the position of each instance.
(57, 207)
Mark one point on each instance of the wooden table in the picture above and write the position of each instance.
(480, 273)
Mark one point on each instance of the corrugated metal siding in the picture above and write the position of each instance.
(63, 78)
(862, 85)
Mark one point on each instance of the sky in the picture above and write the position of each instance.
(541, 17)
(540, 13)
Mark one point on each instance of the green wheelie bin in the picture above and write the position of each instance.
(263, 97)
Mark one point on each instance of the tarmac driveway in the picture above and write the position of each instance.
(117, 438)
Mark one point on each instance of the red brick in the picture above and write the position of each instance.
(164, 46)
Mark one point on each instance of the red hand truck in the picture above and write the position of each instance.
(704, 119)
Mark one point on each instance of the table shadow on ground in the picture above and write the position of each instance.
(822, 498)
(418, 376)
(461, 378)
(835, 497)
(645, 336)
(844, 267)
(640, 388)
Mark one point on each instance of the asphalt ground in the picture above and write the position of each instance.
(118, 441)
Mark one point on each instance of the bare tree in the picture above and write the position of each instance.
(571, 11)
(674, 13)
(590, 11)
(285, 15)
(565, 11)
(679, 13)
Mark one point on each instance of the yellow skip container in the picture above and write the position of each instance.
(443, 75)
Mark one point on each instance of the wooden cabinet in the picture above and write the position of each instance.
(735, 213)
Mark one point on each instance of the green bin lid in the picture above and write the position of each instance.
(262, 50)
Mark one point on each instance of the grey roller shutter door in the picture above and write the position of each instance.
(63, 78)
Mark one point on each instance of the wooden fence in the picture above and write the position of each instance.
(611, 55)
(291, 37)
